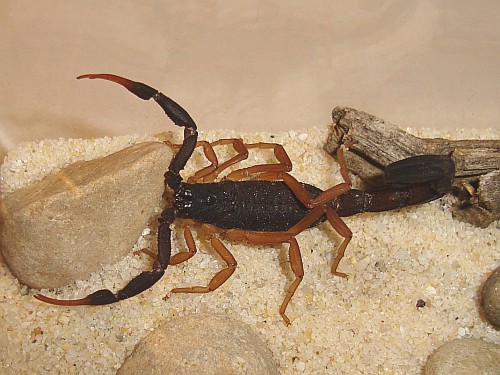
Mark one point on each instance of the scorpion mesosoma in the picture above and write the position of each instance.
(261, 204)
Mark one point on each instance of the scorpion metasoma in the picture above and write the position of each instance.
(261, 204)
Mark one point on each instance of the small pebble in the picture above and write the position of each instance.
(490, 298)
(420, 304)
(464, 357)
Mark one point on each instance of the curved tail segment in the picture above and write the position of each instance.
(411, 181)
(174, 111)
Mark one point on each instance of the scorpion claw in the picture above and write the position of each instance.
(101, 297)
(104, 296)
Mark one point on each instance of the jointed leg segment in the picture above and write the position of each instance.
(221, 276)
(211, 172)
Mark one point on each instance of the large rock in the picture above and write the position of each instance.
(88, 214)
(201, 344)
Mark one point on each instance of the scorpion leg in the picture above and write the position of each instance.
(185, 255)
(284, 163)
(295, 258)
(221, 276)
(211, 172)
(338, 224)
(303, 195)
(298, 270)
(138, 284)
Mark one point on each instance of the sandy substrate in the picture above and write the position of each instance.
(368, 324)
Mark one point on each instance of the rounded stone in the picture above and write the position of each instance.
(490, 298)
(205, 344)
(464, 357)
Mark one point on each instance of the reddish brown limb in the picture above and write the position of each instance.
(211, 172)
(302, 194)
(295, 257)
(220, 277)
(298, 270)
(145, 251)
(185, 255)
(284, 163)
(259, 238)
(338, 224)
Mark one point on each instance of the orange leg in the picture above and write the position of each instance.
(295, 258)
(221, 276)
(284, 163)
(185, 255)
(338, 224)
(211, 172)
(302, 194)
(298, 270)
(145, 251)
(280, 237)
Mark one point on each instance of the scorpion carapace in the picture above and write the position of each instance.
(262, 204)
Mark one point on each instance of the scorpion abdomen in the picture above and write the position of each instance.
(264, 206)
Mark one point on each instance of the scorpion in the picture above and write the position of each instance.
(262, 204)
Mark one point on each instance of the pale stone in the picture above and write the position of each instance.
(201, 344)
(464, 357)
(82, 217)
(490, 298)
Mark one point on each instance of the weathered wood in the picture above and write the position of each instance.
(378, 143)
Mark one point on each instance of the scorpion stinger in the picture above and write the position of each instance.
(147, 279)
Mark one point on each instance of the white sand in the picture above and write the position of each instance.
(367, 324)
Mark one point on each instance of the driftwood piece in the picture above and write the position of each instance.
(378, 143)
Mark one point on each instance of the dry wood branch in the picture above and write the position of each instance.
(378, 143)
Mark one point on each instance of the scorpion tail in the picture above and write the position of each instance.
(174, 111)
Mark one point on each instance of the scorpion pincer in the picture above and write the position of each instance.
(261, 204)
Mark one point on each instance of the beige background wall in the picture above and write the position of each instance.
(250, 65)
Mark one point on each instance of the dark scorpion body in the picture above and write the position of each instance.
(262, 204)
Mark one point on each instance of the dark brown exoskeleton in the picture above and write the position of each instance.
(261, 204)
